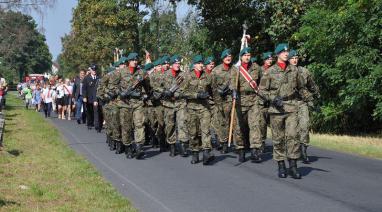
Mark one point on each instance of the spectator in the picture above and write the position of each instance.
(60, 99)
(47, 97)
(37, 97)
(68, 90)
(28, 96)
(1, 97)
(78, 97)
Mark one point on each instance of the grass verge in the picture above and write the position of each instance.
(39, 172)
(359, 145)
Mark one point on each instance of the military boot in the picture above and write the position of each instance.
(282, 169)
(172, 150)
(224, 148)
(162, 145)
(119, 147)
(129, 151)
(112, 144)
(293, 172)
(108, 139)
(195, 157)
(256, 155)
(304, 155)
(241, 153)
(208, 157)
(140, 153)
(183, 149)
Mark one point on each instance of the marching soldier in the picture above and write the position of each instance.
(174, 108)
(261, 115)
(221, 79)
(246, 108)
(305, 103)
(133, 91)
(157, 88)
(196, 90)
(281, 85)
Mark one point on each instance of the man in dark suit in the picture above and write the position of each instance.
(78, 97)
(93, 109)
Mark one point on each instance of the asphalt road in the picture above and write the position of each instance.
(332, 182)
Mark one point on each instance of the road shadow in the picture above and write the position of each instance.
(313, 159)
(7, 202)
(305, 170)
(15, 152)
(219, 158)
(151, 153)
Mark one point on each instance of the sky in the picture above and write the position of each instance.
(57, 22)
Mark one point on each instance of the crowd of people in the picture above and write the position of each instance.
(227, 107)
(3, 92)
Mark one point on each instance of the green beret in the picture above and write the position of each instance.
(281, 47)
(253, 59)
(157, 62)
(225, 53)
(132, 56)
(148, 67)
(266, 55)
(197, 59)
(165, 59)
(292, 53)
(122, 60)
(245, 51)
(175, 58)
(209, 60)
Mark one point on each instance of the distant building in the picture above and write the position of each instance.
(55, 68)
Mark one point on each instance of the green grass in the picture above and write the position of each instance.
(39, 172)
(359, 145)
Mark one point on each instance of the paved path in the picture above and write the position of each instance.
(333, 182)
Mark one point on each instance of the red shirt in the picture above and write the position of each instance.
(245, 66)
(132, 70)
(282, 65)
(208, 71)
(174, 73)
(226, 67)
(198, 73)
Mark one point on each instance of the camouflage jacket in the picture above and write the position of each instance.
(157, 82)
(311, 90)
(221, 78)
(169, 80)
(286, 84)
(246, 93)
(127, 81)
(190, 88)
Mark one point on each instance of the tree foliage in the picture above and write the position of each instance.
(343, 44)
(22, 47)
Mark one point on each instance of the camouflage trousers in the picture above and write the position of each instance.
(132, 125)
(155, 120)
(220, 120)
(174, 119)
(198, 123)
(259, 119)
(112, 119)
(245, 128)
(303, 123)
(284, 136)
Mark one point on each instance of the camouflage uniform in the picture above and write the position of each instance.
(174, 111)
(198, 110)
(221, 78)
(305, 102)
(260, 119)
(246, 108)
(113, 117)
(132, 111)
(155, 110)
(284, 122)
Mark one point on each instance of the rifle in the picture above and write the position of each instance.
(233, 110)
